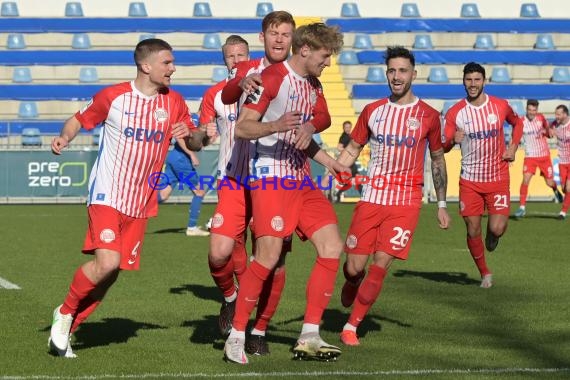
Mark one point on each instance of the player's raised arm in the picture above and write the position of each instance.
(68, 132)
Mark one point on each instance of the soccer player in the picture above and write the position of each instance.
(537, 154)
(233, 212)
(140, 117)
(284, 198)
(399, 129)
(561, 129)
(476, 124)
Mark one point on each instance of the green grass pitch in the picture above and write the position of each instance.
(431, 320)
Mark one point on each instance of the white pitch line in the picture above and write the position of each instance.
(7, 284)
(412, 372)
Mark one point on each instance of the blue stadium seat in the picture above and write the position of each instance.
(73, 9)
(544, 41)
(88, 75)
(422, 41)
(349, 10)
(212, 41)
(9, 9)
(484, 41)
(469, 10)
(137, 9)
(202, 10)
(348, 57)
(28, 110)
(529, 10)
(362, 41)
(447, 105)
(438, 75)
(145, 36)
(263, 9)
(31, 137)
(81, 41)
(96, 135)
(560, 75)
(219, 74)
(518, 107)
(500, 74)
(15, 41)
(375, 74)
(410, 10)
(22, 75)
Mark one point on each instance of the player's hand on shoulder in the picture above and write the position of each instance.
(250, 83)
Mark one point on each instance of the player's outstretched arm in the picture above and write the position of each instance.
(70, 129)
(439, 176)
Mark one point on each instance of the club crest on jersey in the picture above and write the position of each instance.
(492, 118)
(87, 105)
(217, 220)
(160, 115)
(313, 97)
(412, 123)
(232, 117)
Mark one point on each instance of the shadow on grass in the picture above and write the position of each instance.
(535, 216)
(200, 291)
(457, 278)
(169, 231)
(106, 332)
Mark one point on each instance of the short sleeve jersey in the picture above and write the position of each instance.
(238, 162)
(534, 136)
(399, 136)
(225, 115)
(484, 143)
(134, 143)
(283, 91)
(562, 133)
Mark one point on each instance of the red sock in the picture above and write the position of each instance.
(250, 288)
(523, 194)
(269, 298)
(566, 202)
(239, 259)
(477, 250)
(224, 277)
(367, 294)
(86, 307)
(78, 290)
(320, 288)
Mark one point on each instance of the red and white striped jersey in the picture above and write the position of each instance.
(535, 133)
(484, 143)
(134, 142)
(238, 163)
(225, 116)
(398, 137)
(562, 133)
(283, 91)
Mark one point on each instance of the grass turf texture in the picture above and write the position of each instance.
(431, 317)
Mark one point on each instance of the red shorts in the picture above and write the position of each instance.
(564, 170)
(233, 212)
(380, 228)
(110, 229)
(280, 210)
(475, 197)
(543, 163)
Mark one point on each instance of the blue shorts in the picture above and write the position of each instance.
(179, 168)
